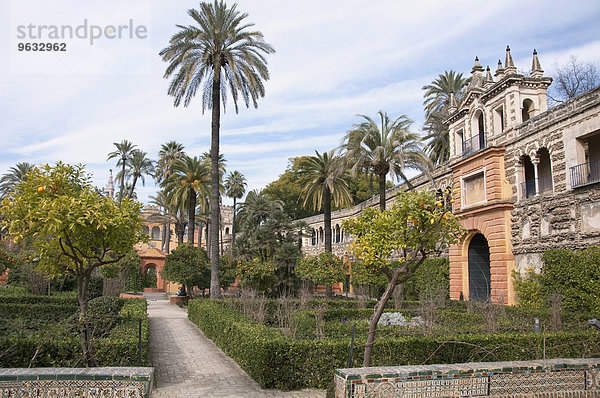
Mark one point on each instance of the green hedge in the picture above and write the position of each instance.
(277, 361)
(33, 299)
(46, 312)
(58, 344)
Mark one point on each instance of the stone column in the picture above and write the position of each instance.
(536, 162)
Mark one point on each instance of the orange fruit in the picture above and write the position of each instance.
(41, 189)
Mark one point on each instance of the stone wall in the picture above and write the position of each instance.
(441, 178)
(567, 217)
(77, 382)
(556, 378)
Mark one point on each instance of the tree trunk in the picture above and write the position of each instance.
(192, 216)
(122, 181)
(215, 288)
(327, 226)
(379, 308)
(179, 232)
(382, 192)
(167, 248)
(200, 227)
(135, 177)
(83, 281)
(221, 239)
(233, 227)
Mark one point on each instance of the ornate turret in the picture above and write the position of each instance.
(536, 69)
(489, 80)
(509, 64)
(453, 105)
(499, 71)
(109, 190)
(477, 72)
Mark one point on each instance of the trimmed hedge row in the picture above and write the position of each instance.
(47, 312)
(59, 346)
(33, 299)
(277, 361)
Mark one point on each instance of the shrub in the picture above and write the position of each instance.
(58, 345)
(257, 274)
(431, 277)
(528, 289)
(277, 361)
(575, 275)
(45, 312)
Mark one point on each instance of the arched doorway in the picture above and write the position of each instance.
(479, 269)
(149, 275)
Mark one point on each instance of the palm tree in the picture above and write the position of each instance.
(190, 177)
(168, 153)
(139, 164)
(389, 148)
(235, 184)
(326, 184)
(123, 153)
(256, 209)
(437, 102)
(438, 136)
(438, 92)
(15, 175)
(216, 55)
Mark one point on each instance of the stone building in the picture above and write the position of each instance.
(524, 179)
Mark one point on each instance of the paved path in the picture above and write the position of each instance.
(187, 364)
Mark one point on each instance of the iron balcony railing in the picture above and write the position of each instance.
(586, 173)
(473, 144)
(544, 186)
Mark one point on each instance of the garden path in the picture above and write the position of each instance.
(187, 364)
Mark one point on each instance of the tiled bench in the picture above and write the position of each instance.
(76, 382)
(553, 378)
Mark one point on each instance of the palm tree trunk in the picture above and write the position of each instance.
(233, 227)
(135, 177)
(122, 182)
(327, 226)
(192, 216)
(215, 288)
(382, 192)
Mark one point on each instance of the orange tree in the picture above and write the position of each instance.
(72, 229)
(418, 225)
(257, 274)
(323, 269)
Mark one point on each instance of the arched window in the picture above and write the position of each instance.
(321, 235)
(227, 231)
(527, 110)
(155, 233)
(477, 140)
(337, 233)
(544, 171)
(146, 230)
(314, 237)
(528, 177)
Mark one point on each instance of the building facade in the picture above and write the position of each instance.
(524, 179)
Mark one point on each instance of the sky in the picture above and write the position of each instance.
(334, 60)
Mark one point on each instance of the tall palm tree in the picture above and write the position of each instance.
(437, 102)
(190, 179)
(169, 152)
(326, 184)
(438, 92)
(235, 184)
(216, 55)
(437, 137)
(388, 148)
(123, 153)
(139, 165)
(13, 177)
